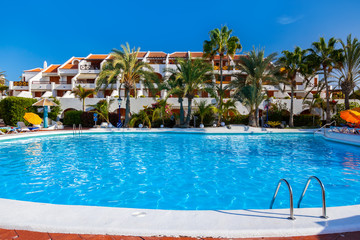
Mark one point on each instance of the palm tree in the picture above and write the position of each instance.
(223, 44)
(348, 73)
(160, 112)
(204, 109)
(229, 109)
(291, 64)
(174, 86)
(251, 97)
(82, 94)
(126, 68)
(256, 69)
(193, 74)
(107, 77)
(142, 116)
(325, 57)
(2, 78)
(102, 108)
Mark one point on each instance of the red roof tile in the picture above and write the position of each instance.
(157, 55)
(141, 54)
(179, 55)
(69, 64)
(196, 54)
(34, 70)
(53, 68)
(97, 56)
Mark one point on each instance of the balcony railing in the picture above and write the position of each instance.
(226, 68)
(20, 84)
(88, 67)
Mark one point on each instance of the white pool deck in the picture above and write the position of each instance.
(146, 222)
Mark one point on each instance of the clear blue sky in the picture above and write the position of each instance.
(34, 31)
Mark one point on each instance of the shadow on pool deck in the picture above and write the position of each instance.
(262, 214)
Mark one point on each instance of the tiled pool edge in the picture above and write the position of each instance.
(53, 218)
(222, 131)
(143, 222)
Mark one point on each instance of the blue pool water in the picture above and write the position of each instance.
(178, 171)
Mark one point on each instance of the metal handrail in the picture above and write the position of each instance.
(74, 129)
(322, 193)
(80, 129)
(327, 124)
(291, 197)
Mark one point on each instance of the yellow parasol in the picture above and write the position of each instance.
(350, 116)
(33, 118)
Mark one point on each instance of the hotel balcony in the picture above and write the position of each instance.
(18, 85)
(41, 85)
(88, 69)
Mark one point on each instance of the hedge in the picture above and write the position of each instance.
(86, 119)
(72, 117)
(13, 109)
(238, 119)
(307, 120)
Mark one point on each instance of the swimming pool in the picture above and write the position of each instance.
(177, 171)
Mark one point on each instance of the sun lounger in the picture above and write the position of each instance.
(22, 127)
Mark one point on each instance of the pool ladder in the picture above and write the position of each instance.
(75, 131)
(302, 196)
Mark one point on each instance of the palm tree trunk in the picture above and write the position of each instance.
(346, 90)
(252, 118)
(327, 96)
(127, 112)
(291, 120)
(221, 89)
(189, 112)
(181, 111)
(83, 100)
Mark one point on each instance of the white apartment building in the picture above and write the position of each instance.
(58, 80)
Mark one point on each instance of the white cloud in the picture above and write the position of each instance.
(284, 20)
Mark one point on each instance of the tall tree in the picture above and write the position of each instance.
(291, 64)
(251, 96)
(256, 69)
(325, 57)
(194, 74)
(82, 94)
(223, 44)
(126, 68)
(3, 79)
(107, 77)
(174, 86)
(348, 74)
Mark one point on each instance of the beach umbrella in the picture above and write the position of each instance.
(45, 103)
(357, 109)
(33, 118)
(350, 116)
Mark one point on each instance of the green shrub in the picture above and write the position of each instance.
(13, 109)
(274, 124)
(307, 120)
(238, 119)
(208, 119)
(72, 117)
(168, 123)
